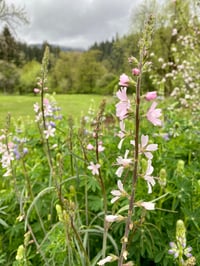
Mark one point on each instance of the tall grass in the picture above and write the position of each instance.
(22, 106)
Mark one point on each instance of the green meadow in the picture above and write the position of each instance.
(74, 105)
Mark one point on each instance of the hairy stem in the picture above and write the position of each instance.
(128, 225)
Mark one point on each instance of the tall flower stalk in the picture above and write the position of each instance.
(124, 111)
(128, 225)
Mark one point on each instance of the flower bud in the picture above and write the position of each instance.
(180, 167)
(135, 71)
(163, 177)
(20, 253)
(181, 233)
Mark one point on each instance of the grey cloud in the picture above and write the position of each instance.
(76, 23)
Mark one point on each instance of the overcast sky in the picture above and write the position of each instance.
(74, 23)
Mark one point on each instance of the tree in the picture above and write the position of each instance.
(28, 77)
(9, 50)
(12, 15)
(9, 77)
(89, 71)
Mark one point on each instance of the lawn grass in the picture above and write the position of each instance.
(71, 105)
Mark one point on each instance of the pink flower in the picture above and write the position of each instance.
(124, 104)
(150, 179)
(94, 168)
(136, 71)
(101, 148)
(118, 193)
(151, 95)
(90, 147)
(124, 163)
(153, 115)
(121, 133)
(145, 147)
(124, 80)
(36, 90)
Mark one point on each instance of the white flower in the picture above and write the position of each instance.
(150, 179)
(148, 205)
(118, 193)
(94, 168)
(121, 133)
(123, 162)
(49, 132)
(114, 218)
(105, 260)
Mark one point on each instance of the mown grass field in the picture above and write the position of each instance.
(22, 106)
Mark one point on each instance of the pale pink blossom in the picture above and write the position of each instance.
(148, 177)
(148, 205)
(123, 162)
(145, 147)
(36, 90)
(118, 193)
(151, 95)
(90, 147)
(94, 168)
(114, 218)
(121, 133)
(49, 132)
(124, 80)
(153, 115)
(101, 148)
(124, 104)
(136, 71)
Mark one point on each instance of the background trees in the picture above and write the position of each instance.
(96, 70)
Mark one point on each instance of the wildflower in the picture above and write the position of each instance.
(174, 32)
(145, 147)
(118, 193)
(151, 95)
(114, 218)
(100, 146)
(135, 71)
(109, 258)
(90, 147)
(121, 133)
(124, 104)
(150, 179)
(94, 168)
(36, 107)
(49, 132)
(36, 90)
(123, 162)
(153, 115)
(124, 80)
(150, 206)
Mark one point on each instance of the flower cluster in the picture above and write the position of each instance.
(51, 115)
(179, 249)
(127, 162)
